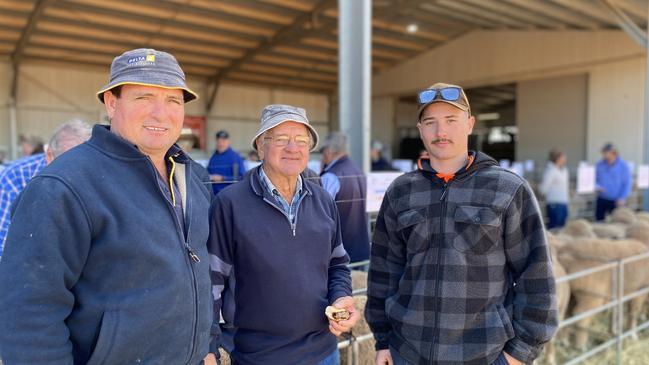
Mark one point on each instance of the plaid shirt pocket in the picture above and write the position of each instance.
(413, 228)
(478, 229)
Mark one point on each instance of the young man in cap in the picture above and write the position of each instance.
(225, 166)
(460, 271)
(106, 259)
(613, 181)
(277, 256)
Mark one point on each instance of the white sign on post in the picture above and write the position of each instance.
(314, 165)
(402, 165)
(585, 179)
(377, 185)
(643, 177)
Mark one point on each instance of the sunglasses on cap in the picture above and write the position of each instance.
(450, 93)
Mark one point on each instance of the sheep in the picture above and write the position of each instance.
(563, 291)
(623, 215)
(595, 290)
(639, 231)
(579, 228)
(610, 230)
(642, 217)
(359, 279)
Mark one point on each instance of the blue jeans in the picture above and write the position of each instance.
(603, 207)
(557, 215)
(333, 359)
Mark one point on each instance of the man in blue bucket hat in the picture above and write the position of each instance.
(105, 261)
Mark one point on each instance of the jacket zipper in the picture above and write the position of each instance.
(433, 346)
(191, 255)
(293, 225)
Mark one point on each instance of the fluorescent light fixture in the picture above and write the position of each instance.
(489, 116)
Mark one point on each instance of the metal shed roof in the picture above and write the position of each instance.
(273, 42)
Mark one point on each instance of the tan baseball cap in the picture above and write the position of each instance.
(436, 94)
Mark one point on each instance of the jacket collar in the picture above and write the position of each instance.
(257, 187)
(477, 161)
(111, 144)
(340, 159)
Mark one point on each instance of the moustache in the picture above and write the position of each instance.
(441, 140)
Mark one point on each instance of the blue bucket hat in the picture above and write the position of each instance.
(146, 66)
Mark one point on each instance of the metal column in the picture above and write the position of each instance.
(645, 200)
(354, 76)
(13, 122)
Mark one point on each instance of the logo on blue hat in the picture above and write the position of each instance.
(147, 58)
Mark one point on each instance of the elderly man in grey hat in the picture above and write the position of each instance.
(106, 259)
(276, 254)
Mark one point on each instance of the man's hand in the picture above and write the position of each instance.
(511, 360)
(383, 357)
(620, 203)
(210, 359)
(216, 178)
(344, 326)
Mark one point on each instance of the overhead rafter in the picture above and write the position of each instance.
(555, 12)
(632, 29)
(589, 8)
(286, 34)
(17, 55)
(515, 13)
(451, 14)
(207, 17)
(633, 8)
(477, 12)
(93, 13)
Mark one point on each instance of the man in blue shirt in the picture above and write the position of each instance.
(15, 177)
(613, 181)
(225, 166)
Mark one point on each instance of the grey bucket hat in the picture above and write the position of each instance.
(276, 114)
(146, 66)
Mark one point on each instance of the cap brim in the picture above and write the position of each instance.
(188, 94)
(312, 131)
(457, 105)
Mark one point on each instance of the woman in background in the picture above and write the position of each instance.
(554, 186)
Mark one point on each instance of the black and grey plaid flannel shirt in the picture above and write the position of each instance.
(461, 271)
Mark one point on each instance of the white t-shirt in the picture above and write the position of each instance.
(554, 184)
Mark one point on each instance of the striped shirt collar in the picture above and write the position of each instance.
(270, 188)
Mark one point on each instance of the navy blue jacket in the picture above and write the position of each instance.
(272, 285)
(96, 268)
(227, 164)
(350, 201)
